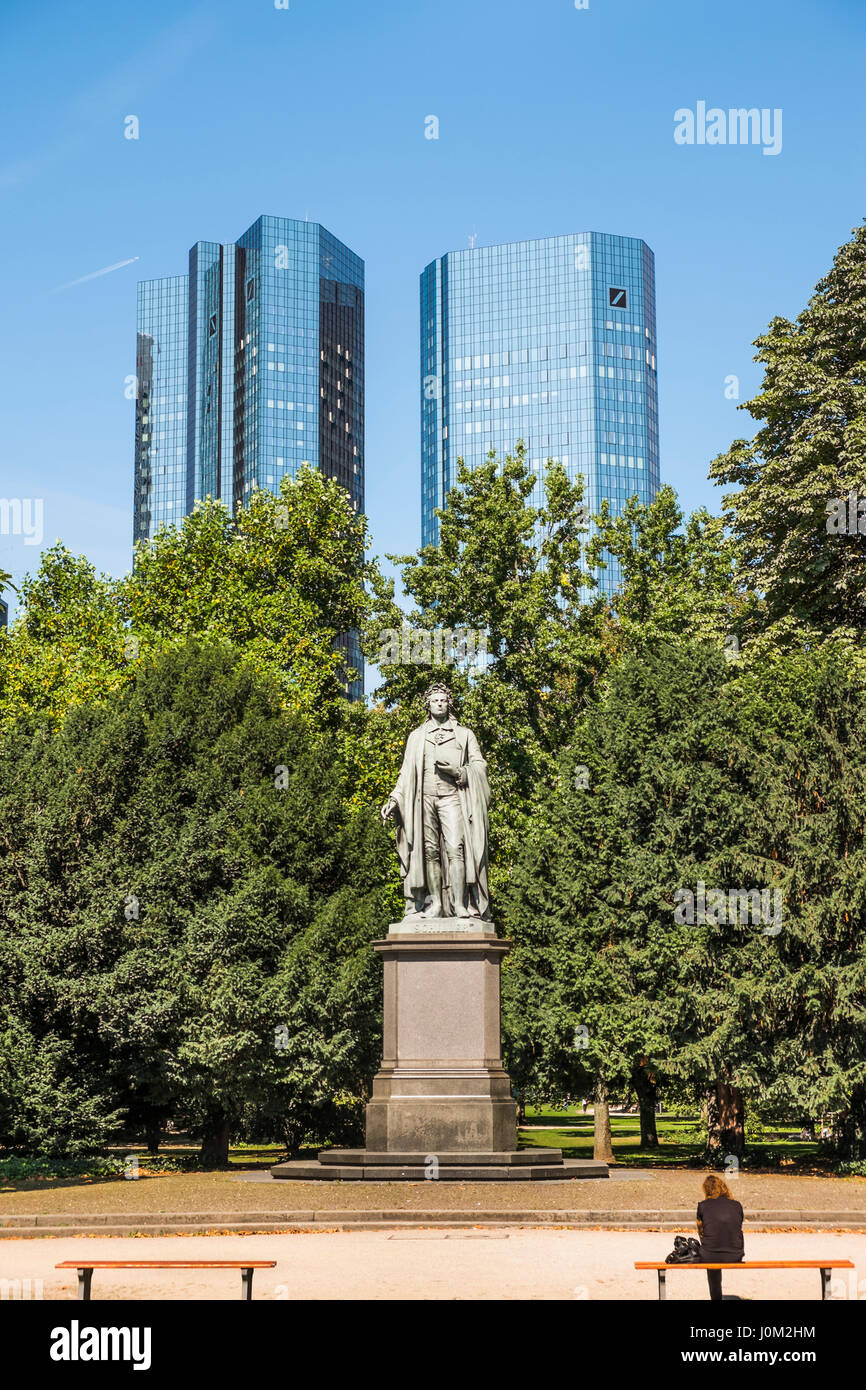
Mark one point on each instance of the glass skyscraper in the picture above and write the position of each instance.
(247, 367)
(550, 341)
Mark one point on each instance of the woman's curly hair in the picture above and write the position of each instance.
(714, 1186)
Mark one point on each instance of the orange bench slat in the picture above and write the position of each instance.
(749, 1264)
(166, 1264)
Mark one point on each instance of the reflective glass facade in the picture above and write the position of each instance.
(550, 341)
(162, 493)
(247, 367)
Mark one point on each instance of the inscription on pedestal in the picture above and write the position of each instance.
(442, 926)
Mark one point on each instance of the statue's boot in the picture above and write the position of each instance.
(434, 883)
(457, 875)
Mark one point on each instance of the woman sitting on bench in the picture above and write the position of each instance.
(720, 1227)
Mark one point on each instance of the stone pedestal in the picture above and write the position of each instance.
(441, 1087)
(441, 1104)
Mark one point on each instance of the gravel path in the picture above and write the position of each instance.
(496, 1265)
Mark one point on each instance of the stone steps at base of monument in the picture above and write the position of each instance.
(305, 1170)
(508, 1158)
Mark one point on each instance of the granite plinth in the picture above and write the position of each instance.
(441, 1087)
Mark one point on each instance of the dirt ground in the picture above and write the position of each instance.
(228, 1193)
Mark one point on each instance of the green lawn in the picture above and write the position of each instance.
(180, 1146)
(571, 1131)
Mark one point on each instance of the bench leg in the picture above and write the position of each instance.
(247, 1284)
(84, 1278)
(662, 1285)
(825, 1284)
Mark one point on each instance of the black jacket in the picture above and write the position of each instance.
(722, 1238)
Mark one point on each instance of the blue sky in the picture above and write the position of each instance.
(552, 120)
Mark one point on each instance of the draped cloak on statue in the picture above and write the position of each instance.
(409, 823)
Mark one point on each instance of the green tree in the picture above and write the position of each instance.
(282, 581)
(808, 451)
(175, 868)
(677, 575)
(565, 1004)
(664, 802)
(809, 710)
(52, 1102)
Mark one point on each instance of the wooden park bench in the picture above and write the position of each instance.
(824, 1265)
(86, 1268)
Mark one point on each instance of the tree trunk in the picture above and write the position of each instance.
(215, 1144)
(602, 1144)
(850, 1128)
(647, 1098)
(519, 1098)
(726, 1119)
(649, 1138)
(153, 1135)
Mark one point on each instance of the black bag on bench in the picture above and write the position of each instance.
(686, 1251)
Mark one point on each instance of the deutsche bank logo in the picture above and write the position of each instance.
(618, 299)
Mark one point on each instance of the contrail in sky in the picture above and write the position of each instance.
(94, 274)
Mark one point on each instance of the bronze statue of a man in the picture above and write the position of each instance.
(439, 806)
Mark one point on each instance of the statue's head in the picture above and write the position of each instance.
(438, 699)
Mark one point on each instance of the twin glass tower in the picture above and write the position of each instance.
(253, 363)
(247, 367)
(552, 342)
